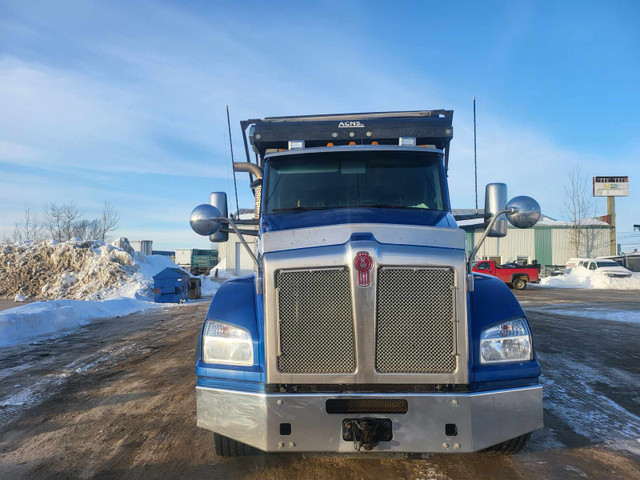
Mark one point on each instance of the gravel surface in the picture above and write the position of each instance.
(115, 399)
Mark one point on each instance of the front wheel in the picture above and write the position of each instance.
(227, 447)
(509, 447)
(519, 284)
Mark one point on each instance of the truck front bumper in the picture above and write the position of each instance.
(481, 419)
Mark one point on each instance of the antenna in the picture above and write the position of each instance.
(235, 184)
(475, 157)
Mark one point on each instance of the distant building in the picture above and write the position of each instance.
(548, 242)
(232, 256)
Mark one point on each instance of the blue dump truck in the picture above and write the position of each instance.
(363, 328)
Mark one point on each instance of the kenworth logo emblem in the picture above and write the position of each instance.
(351, 124)
(363, 264)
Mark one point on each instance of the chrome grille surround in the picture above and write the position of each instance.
(315, 321)
(415, 320)
(326, 247)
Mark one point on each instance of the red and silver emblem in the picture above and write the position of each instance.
(363, 264)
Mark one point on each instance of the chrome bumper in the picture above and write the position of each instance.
(482, 419)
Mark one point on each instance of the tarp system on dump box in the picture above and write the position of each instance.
(171, 285)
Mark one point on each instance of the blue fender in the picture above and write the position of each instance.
(235, 303)
(492, 302)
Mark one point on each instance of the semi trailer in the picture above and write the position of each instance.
(362, 327)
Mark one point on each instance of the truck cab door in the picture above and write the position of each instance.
(485, 267)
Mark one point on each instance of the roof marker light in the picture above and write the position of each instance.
(407, 141)
(295, 144)
(375, 142)
(352, 143)
(330, 144)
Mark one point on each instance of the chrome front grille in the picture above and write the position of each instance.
(315, 321)
(415, 320)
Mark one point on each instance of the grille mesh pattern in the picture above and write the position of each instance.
(415, 320)
(316, 321)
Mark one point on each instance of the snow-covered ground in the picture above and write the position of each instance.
(590, 311)
(83, 291)
(580, 277)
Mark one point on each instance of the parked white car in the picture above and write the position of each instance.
(575, 262)
(604, 266)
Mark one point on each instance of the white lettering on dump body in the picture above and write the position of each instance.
(351, 124)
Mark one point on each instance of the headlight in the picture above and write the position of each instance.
(507, 342)
(228, 344)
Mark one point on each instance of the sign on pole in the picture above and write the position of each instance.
(610, 186)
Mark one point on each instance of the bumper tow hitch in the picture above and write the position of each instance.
(366, 432)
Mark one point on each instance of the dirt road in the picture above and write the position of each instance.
(116, 400)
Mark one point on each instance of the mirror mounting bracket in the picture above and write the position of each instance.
(493, 220)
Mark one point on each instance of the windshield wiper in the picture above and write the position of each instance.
(375, 205)
(297, 209)
(387, 205)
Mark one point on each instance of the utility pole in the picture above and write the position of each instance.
(611, 212)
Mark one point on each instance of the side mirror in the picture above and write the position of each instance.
(219, 200)
(527, 212)
(204, 219)
(495, 200)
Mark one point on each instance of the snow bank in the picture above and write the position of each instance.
(209, 287)
(580, 277)
(82, 281)
(596, 311)
(22, 324)
(220, 270)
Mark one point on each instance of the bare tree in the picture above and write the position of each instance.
(70, 215)
(59, 220)
(52, 221)
(578, 208)
(109, 221)
(64, 222)
(28, 227)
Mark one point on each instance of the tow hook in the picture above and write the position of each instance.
(366, 432)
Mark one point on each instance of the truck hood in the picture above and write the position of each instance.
(338, 216)
(341, 234)
(614, 271)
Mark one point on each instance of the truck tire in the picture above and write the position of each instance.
(509, 447)
(226, 447)
(519, 283)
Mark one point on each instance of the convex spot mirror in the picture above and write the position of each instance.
(204, 219)
(526, 214)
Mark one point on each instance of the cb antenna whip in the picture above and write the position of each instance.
(475, 158)
(235, 184)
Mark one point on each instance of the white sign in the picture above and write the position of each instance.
(610, 186)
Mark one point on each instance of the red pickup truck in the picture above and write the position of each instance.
(513, 275)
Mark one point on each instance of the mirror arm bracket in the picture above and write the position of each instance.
(241, 237)
(473, 253)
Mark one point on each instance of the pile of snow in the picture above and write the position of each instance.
(80, 281)
(70, 270)
(580, 277)
(22, 324)
(220, 270)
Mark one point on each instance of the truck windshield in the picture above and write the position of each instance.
(385, 179)
(607, 263)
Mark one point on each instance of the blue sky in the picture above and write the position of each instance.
(124, 101)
